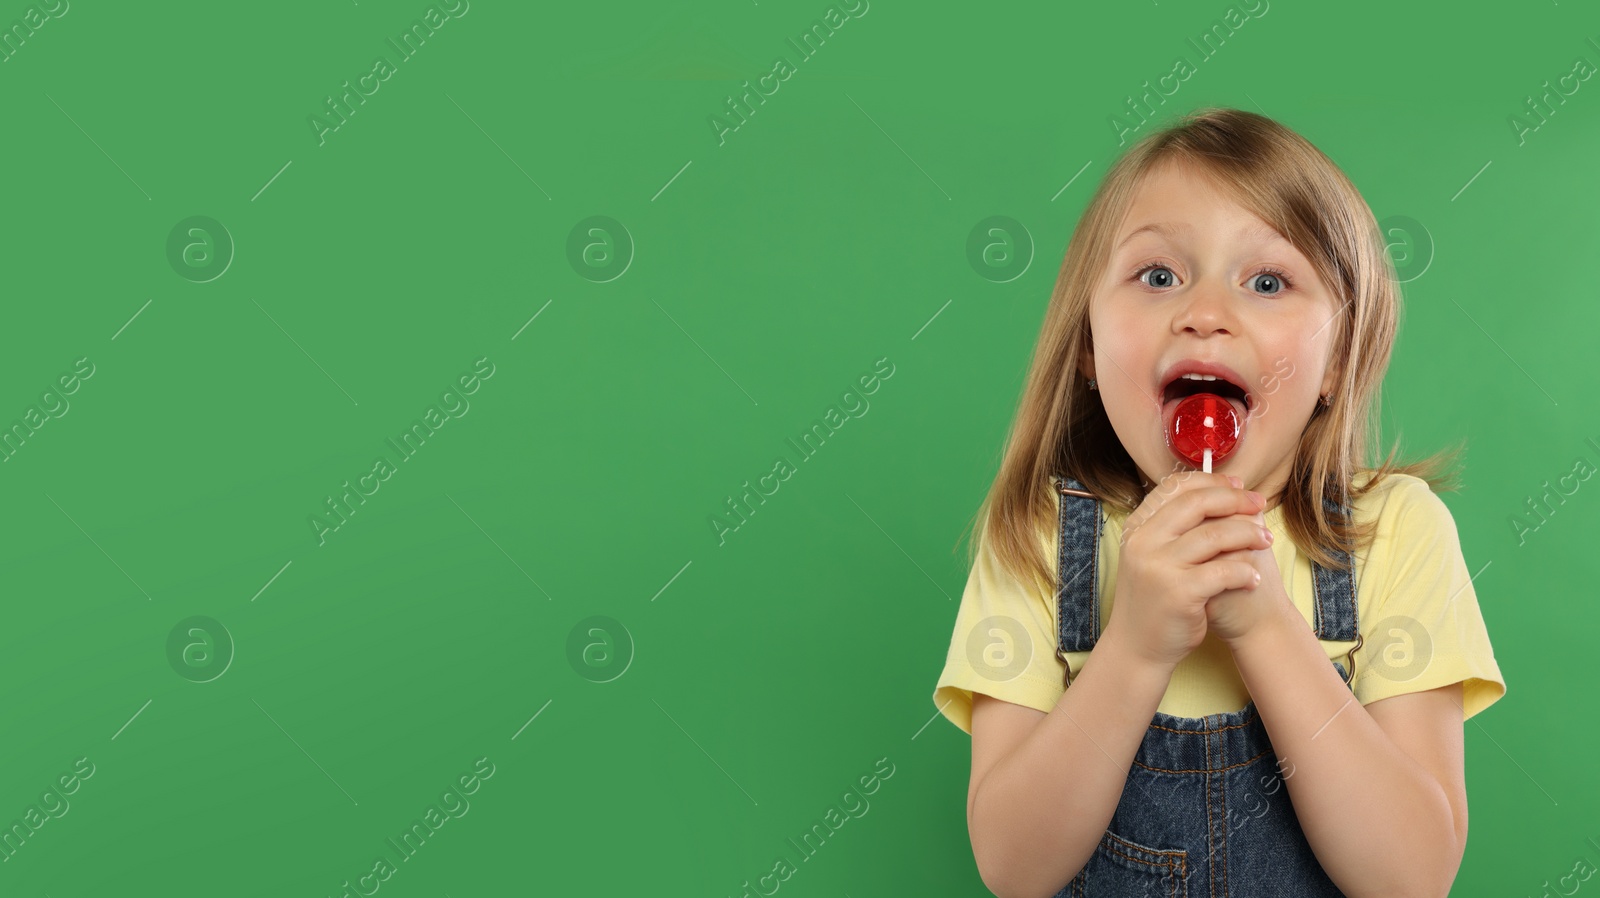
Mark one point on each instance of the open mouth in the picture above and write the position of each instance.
(1189, 384)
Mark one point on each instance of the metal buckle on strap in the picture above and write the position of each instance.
(1066, 676)
(1350, 663)
(1061, 487)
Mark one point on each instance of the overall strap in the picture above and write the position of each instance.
(1078, 570)
(1335, 610)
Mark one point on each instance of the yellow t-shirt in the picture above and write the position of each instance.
(1418, 617)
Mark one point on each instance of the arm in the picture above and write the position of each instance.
(1044, 786)
(1378, 789)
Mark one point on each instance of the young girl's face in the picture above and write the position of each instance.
(1211, 284)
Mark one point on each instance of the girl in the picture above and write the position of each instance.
(1247, 682)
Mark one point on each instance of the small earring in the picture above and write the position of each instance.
(1093, 385)
(1326, 402)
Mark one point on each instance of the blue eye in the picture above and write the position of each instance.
(1271, 280)
(1139, 276)
(1273, 277)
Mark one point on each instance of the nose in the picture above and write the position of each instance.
(1207, 309)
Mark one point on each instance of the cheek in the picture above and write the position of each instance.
(1122, 335)
(1288, 384)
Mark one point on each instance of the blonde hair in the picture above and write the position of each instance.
(1060, 427)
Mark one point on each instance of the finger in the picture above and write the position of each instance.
(1244, 555)
(1227, 572)
(1188, 510)
(1169, 487)
(1208, 540)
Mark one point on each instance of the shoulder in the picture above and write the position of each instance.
(1402, 505)
(1415, 559)
(1003, 641)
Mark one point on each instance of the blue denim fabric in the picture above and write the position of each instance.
(1205, 810)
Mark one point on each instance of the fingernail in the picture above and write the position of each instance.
(1235, 481)
(1266, 534)
(1260, 500)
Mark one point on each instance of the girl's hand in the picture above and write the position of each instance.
(1179, 548)
(1233, 613)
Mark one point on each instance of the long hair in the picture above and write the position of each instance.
(1060, 427)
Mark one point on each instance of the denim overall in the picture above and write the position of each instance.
(1205, 811)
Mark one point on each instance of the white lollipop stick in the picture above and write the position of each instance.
(1207, 462)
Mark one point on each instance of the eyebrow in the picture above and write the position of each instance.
(1172, 229)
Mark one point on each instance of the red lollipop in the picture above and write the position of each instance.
(1204, 429)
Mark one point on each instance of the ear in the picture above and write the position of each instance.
(1086, 359)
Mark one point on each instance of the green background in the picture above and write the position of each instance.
(749, 681)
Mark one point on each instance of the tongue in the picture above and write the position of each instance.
(1204, 421)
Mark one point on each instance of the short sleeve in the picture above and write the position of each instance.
(1422, 627)
(1003, 644)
